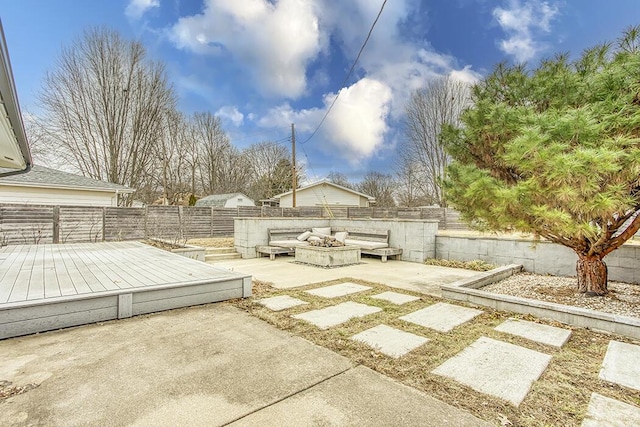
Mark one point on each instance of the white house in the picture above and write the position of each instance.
(44, 186)
(230, 200)
(325, 193)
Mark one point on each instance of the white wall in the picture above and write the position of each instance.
(55, 196)
(234, 202)
(321, 195)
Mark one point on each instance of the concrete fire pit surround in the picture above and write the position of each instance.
(337, 256)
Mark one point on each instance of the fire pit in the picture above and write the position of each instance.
(328, 252)
(326, 242)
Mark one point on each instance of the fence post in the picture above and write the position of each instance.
(211, 228)
(56, 224)
(444, 212)
(104, 224)
(146, 222)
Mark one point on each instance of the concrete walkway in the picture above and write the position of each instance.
(411, 276)
(202, 366)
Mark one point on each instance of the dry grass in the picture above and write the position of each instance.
(475, 265)
(559, 398)
(212, 242)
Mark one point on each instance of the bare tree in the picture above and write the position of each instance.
(409, 192)
(381, 186)
(214, 151)
(429, 109)
(340, 179)
(172, 171)
(103, 106)
(266, 161)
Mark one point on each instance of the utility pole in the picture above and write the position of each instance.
(293, 163)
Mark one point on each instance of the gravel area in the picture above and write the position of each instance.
(623, 298)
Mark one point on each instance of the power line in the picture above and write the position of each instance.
(353, 66)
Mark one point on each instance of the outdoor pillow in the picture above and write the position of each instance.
(313, 238)
(341, 236)
(304, 236)
(324, 231)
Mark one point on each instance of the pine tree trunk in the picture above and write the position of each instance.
(592, 275)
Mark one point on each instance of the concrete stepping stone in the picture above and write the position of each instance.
(544, 334)
(339, 290)
(390, 341)
(604, 411)
(442, 317)
(620, 365)
(281, 302)
(334, 315)
(496, 368)
(395, 297)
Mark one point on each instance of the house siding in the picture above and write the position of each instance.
(234, 202)
(56, 196)
(323, 194)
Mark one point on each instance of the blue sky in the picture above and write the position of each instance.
(262, 65)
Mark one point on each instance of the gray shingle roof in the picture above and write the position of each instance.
(218, 200)
(39, 176)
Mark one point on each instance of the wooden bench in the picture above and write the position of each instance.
(274, 234)
(375, 236)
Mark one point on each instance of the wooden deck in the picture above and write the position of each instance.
(44, 287)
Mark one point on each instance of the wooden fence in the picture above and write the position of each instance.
(33, 224)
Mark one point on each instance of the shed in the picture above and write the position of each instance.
(325, 193)
(229, 200)
(44, 186)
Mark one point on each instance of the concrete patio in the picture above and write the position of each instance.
(209, 365)
(284, 273)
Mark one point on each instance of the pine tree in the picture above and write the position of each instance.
(556, 151)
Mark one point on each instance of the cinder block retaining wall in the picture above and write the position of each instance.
(417, 238)
(540, 258)
(419, 241)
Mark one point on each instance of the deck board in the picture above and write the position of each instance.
(51, 286)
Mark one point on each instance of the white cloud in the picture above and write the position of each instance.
(358, 122)
(521, 23)
(355, 128)
(136, 8)
(275, 41)
(466, 75)
(232, 114)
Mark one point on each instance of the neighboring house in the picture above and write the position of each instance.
(44, 186)
(231, 200)
(325, 193)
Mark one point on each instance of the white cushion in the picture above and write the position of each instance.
(313, 238)
(287, 243)
(341, 236)
(365, 244)
(324, 231)
(304, 236)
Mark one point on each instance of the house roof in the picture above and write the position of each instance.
(218, 200)
(13, 140)
(39, 176)
(326, 181)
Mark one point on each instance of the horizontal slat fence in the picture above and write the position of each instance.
(33, 224)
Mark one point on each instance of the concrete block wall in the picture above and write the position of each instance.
(417, 238)
(540, 257)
